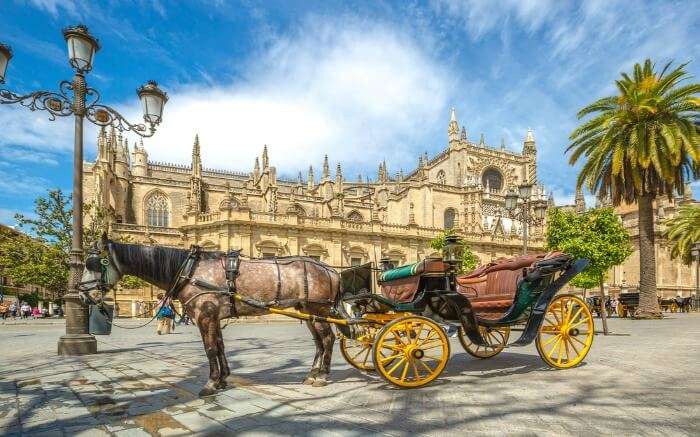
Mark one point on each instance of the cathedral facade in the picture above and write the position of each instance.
(328, 217)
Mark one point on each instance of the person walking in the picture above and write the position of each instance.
(13, 310)
(25, 310)
(165, 316)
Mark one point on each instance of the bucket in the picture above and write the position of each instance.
(99, 323)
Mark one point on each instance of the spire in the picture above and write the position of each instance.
(196, 158)
(463, 135)
(529, 146)
(310, 180)
(482, 140)
(265, 158)
(453, 129)
(326, 170)
(359, 177)
(503, 143)
(338, 179)
(195, 147)
(580, 201)
(256, 170)
(300, 179)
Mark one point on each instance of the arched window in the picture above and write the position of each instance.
(441, 178)
(492, 179)
(157, 210)
(355, 217)
(449, 218)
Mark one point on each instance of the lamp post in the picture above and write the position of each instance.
(77, 99)
(695, 252)
(526, 207)
(452, 256)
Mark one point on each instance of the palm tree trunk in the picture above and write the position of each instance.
(603, 312)
(648, 301)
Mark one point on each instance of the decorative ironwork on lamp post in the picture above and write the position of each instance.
(78, 99)
(526, 207)
(695, 252)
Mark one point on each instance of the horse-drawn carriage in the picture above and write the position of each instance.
(405, 342)
(400, 333)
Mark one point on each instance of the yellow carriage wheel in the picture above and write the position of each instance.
(566, 333)
(411, 351)
(496, 337)
(358, 351)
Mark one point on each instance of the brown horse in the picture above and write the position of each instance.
(300, 282)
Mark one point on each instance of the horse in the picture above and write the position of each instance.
(685, 304)
(298, 282)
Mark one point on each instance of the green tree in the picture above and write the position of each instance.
(639, 144)
(43, 258)
(597, 235)
(683, 231)
(469, 259)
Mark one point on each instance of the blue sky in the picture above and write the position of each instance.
(360, 81)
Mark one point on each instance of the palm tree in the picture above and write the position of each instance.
(640, 144)
(683, 231)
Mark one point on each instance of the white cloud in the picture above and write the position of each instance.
(359, 91)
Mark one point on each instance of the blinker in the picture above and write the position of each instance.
(94, 263)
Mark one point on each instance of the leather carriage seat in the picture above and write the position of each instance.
(491, 288)
(401, 284)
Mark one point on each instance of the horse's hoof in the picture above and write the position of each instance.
(320, 382)
(310, 380)
(207, 391)
(221, 385)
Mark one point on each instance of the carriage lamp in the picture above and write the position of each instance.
(525, 190)
(5, 56)
(81, 47)
(386, 264)
(511, 200)
(152, 99)
(452, 250)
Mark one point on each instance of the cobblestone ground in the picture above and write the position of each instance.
(643, 380)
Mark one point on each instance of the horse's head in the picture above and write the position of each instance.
(100, 274)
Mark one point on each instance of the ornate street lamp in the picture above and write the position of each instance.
(695, 252)
(77, 99)
(532, 209)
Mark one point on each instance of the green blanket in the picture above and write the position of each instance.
(399, 272)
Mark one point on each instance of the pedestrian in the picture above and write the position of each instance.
(36, 312)
(25, 310)
(165, 316)
(13, 310)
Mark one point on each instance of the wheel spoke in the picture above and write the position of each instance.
(430, 370)
(582, 343)
(432, 345)
(358, 354)
(429, 337)
(556, 343)
(364, 361)
(569, 309)
(396, 365)
(389, 358)
(430, 357)
(575, 316)
(405, 371)
(573, 346)
(548, 342)
(559, 354)
(415, 370)
(566, 345)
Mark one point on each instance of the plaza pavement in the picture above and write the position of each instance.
(643, 380)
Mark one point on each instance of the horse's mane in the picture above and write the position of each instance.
(156, 264)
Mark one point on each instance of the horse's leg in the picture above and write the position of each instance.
(327, 339)
(206, 326)
(315, 368)
(224, 370)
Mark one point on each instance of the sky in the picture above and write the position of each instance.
(359, 81)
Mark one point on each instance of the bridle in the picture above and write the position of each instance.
(98, 264)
